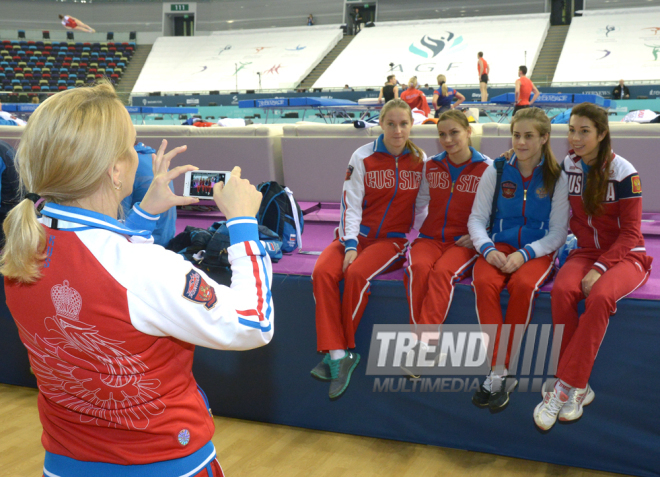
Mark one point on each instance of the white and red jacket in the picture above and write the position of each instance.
(416, 99)
(111, 327)
(617, 231)
(379, 194)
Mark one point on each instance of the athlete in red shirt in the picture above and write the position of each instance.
(484, 71)
(605, 194)
(71, 23)
(377, 211)
(524, 88)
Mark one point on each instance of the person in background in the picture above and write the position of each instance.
(484, 70)
(390, 91)
(72, 23)
(415, 98)
(610, 261)
(524, 88)
(357, 21)
(377, 211)
(621, 91)
(8, 184)
(443, 97)
(165, 227)
(35, 100)
(310, 20)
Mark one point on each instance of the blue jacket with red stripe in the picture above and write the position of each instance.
(527, 216)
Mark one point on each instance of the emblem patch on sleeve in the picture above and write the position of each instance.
(349, 173)
(197, 290)
(636, 185)
(509, 189)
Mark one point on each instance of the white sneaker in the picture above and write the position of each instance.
(548, 386)
(577, 399)
(545, 414)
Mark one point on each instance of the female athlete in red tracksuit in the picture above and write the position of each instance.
(416, 98)
(605, 194)
(530, 224)
(377, 208)
(443, 253)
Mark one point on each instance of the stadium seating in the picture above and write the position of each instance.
(607, 45)
(428, 48)
(283, 56)
(32, 62)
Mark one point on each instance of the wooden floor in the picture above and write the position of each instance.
(247, 449)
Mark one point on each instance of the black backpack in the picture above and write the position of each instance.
(280, 212)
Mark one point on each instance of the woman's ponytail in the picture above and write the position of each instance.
(25, 244)
(416, 151)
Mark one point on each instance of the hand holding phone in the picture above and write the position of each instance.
(237, 198)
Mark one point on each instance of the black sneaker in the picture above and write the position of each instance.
(501, 388)
(322, 370)
(341, 371)
(482, 395)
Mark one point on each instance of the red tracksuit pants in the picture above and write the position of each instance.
(433, 270)
(337, 317)
(523, 287)
(582, 337)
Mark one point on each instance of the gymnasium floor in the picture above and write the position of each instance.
(292, 452)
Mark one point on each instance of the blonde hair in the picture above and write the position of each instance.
(412, 82)
(459, 117)
(551, 169)
(69, 144)
(442, 81)
(415, 150)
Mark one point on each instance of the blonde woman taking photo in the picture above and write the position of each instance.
(109, 319)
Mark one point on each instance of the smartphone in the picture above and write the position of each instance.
(200, 183)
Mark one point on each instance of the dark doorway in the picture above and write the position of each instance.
(184, 25)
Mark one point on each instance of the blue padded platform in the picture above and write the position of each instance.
(619, 432)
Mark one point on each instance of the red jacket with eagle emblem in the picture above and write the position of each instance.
(111, 327)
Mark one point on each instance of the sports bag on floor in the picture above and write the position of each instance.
(280, 212)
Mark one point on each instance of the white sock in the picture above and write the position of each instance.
(337, 353)
(562, 386)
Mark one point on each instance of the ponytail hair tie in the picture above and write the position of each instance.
(33, 197)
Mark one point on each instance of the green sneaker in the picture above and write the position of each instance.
(322, 370)
(340, 371)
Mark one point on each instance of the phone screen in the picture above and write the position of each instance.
(201, 183)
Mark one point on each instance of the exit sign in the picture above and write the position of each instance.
(179, 7)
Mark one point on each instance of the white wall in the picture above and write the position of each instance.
(283, 56)
(607, 45)
(428, 48)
